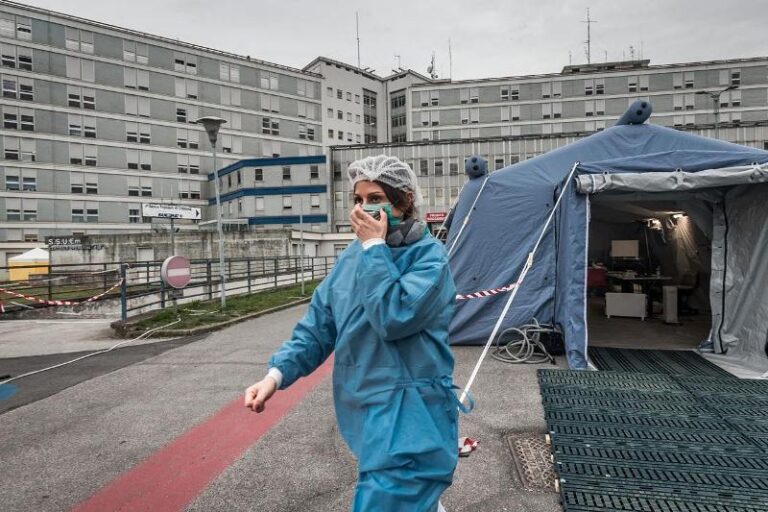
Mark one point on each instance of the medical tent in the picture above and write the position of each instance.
(499, 216)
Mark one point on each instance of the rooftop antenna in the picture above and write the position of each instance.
(588, 48)
(397, 56)
(450, 60)
(357, 32)
(641, 49)
(631, 52)
(431, 68)
(570, 58)
(606, 55)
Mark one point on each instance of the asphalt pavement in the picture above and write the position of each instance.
(134, 418)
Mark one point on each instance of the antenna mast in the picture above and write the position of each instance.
(588, 49)
(450, 61)
(357, 32)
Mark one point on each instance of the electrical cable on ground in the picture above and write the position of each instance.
(525, 346)
(139, 337)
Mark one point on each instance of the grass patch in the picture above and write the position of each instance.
(200, 313)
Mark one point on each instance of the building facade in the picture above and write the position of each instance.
(98, 119)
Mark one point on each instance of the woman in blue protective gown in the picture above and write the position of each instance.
(384, 311)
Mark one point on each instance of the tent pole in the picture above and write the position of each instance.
(466, 219)
(518, 283)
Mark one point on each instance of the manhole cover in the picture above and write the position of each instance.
(532, 461)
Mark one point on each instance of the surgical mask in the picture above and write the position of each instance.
(373, 211)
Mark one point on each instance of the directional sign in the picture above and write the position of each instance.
(176, 271)
(170, 211)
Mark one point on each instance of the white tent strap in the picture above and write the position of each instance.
(518, 283)
(672, 181)
(466, 219)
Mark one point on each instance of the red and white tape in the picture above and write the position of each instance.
(59, 302)
(486, 293)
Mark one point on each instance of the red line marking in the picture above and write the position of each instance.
(176, 474)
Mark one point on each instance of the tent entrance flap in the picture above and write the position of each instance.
(594, 182)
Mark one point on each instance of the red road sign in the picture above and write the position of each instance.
(176, 271)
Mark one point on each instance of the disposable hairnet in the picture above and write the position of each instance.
(386, 169)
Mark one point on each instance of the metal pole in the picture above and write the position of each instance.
(173, 238)
(220, 229)
(123, 293)
(301, 225)
(716, 99)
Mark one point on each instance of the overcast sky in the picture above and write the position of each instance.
(488, 37)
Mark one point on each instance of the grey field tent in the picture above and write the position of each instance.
(723, 187)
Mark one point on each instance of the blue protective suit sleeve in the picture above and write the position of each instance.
(398, 304)
(312, 341)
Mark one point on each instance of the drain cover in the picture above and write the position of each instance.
(532, 461)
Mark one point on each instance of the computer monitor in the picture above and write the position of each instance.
(625, 249)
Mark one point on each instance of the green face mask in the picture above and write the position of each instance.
(373, 211)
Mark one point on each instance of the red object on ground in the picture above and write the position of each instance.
(175, 475)
(596, 278)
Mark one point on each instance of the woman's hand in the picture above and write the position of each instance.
(259, 393)
(365, 226)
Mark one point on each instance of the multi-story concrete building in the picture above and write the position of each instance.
(98, 119)
(511, 119)
(362, 107)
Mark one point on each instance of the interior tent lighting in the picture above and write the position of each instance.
(654, 224)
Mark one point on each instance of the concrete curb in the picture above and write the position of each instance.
(125, 332)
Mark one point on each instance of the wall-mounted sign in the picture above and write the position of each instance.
(436, 216)
(170, 211)
(71, 243)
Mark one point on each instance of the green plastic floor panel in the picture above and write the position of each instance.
(682, 439)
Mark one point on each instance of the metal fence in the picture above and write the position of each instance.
(138, 284)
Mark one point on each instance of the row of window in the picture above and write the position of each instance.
(82, 41)
(596, 86)
(340, 136)
(341, 95)
(258, 176)
(340, 115)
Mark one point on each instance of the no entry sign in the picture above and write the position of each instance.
(176, 271)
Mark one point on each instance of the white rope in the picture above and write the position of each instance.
(523, 273)
(469, 214)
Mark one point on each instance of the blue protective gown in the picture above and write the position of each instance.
(386, 313)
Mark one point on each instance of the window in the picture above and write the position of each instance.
(19, 149)
(504, 93)
(474, 95)
(12, 179)
(600, 107)
(234, 119)
(12, 56)
(270, 126)
(231, 144)
(258, 175)
(589, 108)
(305, 88)
(339, 94)
(546, 90)
(690, 101)
(85, 211)
(137, 106)
(330, 134)
(340, 115)
(464, 116)
(632, 84)
(357, 99)
(357, 119)
(21, 209)
(599, 86)
(314, 172)
(259, 204)
(191, 139)
(13, 209)
(139, 186)
(78, 40)
(735, 77)
(23, 28)
(349, 117)
(474, 115)
(329, 92)
(423, 167)
(341, 135)
(688, 77)
(306, 110)
(188, 164)
(135, 52)
(498, 163)
(397, 101)
(589, 87)
(270, 103)
(185, 88)
(330, 113)
(136, 79)
(133, 216)
(80, 69)
(189, 190)
(184, 63)
(229, 72)
(286, 173)
(232, 96)
(546, 110)
(349, 96)
(438, 167)
(270, 148)
(17, 87)
(270, 81)
(287, 202)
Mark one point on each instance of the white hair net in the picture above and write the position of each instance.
(386, 169)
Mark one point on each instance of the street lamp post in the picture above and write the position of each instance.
(212, 125)
(715, 95)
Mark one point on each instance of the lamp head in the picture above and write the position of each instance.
(211, 124)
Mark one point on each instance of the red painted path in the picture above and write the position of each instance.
(175, 475)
